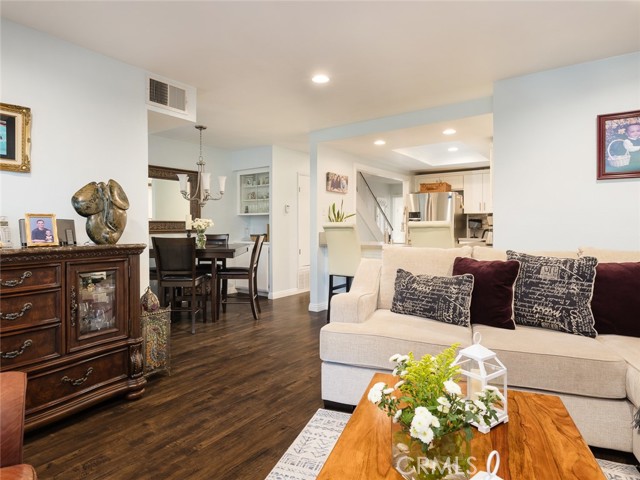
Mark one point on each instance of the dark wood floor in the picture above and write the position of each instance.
(239, 393)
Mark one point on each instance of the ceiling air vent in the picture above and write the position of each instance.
(167, 95)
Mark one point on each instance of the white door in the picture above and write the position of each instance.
(304, 238)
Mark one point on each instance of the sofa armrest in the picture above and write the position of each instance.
(362, 299)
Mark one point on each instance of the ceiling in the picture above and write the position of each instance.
(251, 62)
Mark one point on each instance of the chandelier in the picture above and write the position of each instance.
(202, 189)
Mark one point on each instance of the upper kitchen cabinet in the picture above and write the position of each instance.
(477, 193)
(253, 191)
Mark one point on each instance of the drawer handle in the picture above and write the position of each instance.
(12, 316)
(79, 381)
(15, 283)
(16, 353)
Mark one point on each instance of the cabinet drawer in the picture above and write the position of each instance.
(29, 309)
(30, 346)
(29, 278)
(55, 386)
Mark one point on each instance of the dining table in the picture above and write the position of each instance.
(213, 253)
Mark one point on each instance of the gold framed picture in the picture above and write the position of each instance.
(41, 229)
(15, 138)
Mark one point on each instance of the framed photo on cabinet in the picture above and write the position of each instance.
(619, 145)
(15, 138)
(41, 229)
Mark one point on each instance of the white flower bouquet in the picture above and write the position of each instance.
(428, 404)
(201, 224)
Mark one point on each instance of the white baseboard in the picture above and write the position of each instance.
(317, 307)
(286, 293)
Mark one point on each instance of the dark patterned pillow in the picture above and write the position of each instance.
(555, 293)
(446, 299)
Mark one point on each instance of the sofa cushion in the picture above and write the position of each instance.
(555, 293)
(555, 362)
(417, 260)
(492, 298)
(490, 253)
(629, 349)
(445, 299)
(616, 298)
(606, 255)
(371, 343)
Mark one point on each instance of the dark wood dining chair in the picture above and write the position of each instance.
(176, 267)
(249, 273)
(214, 239)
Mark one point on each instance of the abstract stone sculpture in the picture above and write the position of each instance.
(105, 208)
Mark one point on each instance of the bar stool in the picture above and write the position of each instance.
(343, 247)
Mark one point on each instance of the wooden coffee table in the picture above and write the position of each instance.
(540, 442)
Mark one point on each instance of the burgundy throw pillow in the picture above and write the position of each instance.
(492, 297)
(616, 298)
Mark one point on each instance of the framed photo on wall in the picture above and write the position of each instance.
(41, 229)
(619, 145)
(337, 183)
(15, 138)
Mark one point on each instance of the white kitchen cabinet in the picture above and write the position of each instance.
(456, 180)
(263, 270)
(477, 193)
(253, 192)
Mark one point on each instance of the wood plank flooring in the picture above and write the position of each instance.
(239, 393)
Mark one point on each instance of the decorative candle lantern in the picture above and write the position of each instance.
(481, 368)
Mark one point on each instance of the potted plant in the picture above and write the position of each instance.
(431, 426)
(337, 214)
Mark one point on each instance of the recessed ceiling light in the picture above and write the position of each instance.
(449, 131)
(320, 78)
(379, 142)
(452, 149)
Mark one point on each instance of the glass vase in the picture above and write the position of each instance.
(447, 458)
(201, 240)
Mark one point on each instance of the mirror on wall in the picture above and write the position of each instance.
(167, 208)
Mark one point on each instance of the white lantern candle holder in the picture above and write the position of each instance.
(481, 367)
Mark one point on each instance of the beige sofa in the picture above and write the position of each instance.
(598, 378)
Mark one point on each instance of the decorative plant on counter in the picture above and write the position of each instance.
(336, 214)
(430, 414)
(200, 225)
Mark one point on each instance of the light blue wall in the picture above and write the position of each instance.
(89, 124)
(545, 192)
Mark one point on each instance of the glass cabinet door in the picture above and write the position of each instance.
(254, 193)
(97, 304)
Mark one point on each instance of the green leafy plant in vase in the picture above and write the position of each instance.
(337, 214)
(431, 428)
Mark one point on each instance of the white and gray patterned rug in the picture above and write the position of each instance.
(304, 458)
(306, 455)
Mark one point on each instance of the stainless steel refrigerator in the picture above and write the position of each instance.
(438, 207)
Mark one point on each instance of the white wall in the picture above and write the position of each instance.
(545, 192)
(89, 124)
(287, 164)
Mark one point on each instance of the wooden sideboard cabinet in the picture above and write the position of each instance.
(70, 319)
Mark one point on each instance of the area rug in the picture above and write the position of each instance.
(304, 458)
(306, 455)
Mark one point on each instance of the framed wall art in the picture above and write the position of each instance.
(619, 145)
(15, 138)
(41, 229)
(337, 183)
